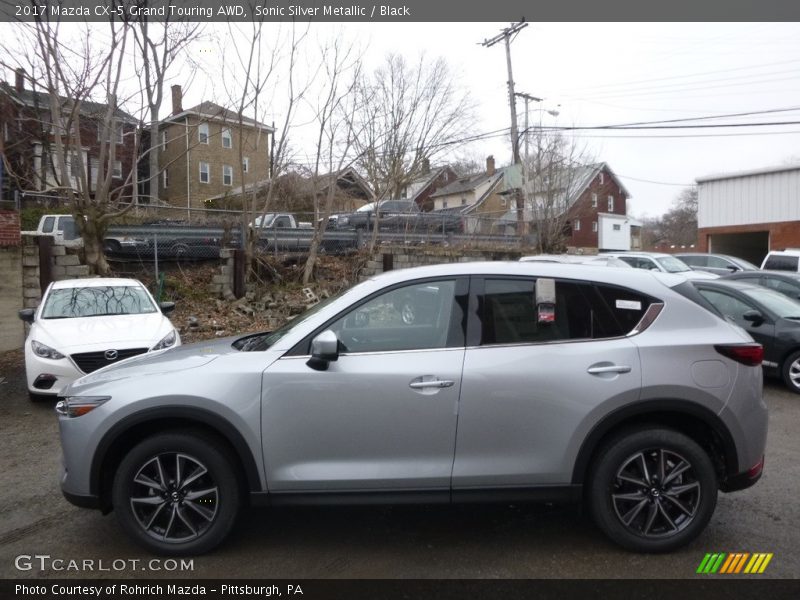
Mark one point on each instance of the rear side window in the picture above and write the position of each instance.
(47, 226)
(781, 262)
(509, 314)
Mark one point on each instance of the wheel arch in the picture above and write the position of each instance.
(133, 429)
(697, 422)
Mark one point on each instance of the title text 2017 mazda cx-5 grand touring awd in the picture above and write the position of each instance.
(482, 381)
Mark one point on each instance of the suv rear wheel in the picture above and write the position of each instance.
(176, 493)
(790, 371)
(652, 490)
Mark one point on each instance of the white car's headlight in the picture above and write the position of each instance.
(77, 406)
(167, 341)
(45, 351)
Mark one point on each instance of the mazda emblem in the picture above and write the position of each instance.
(111, 354)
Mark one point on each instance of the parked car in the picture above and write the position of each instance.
(513, 381)
(656, 261)
(595, 260)
(785, 282)
(782, 260)
(772, 319)
(82, 325)
(719, 264)
(404, 215)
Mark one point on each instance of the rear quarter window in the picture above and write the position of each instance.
(781, 262)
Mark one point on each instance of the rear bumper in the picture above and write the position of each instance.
(742, 481)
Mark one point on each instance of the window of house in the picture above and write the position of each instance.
(602, 179)
(611, 204)
(202, 133)
(227, 139)
(205, 173)
(617, 227)
(594, 226)
(463, 201)
(116, 171)
(164, 140)
(245, 164)
(114, 128)
(165, 178)
(576, 225)
(227, 175)
(444, 203)
(594, 200)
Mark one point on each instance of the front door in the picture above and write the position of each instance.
(382, 417)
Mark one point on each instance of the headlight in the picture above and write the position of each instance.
(77, 406)
(45, 351)
(167, 341)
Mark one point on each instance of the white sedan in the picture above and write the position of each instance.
(82, 325)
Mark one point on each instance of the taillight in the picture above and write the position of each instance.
(747, 354)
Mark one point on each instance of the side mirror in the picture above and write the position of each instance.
(166, 307)
(754, 317)
(324, 350)
(732, 268)
(26, 314)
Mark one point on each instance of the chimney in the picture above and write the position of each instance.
(490, 165)
(177, 100)
(19, 83)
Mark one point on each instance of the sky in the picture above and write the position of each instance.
(592, 74)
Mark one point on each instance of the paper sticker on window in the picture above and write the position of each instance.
(629, 305)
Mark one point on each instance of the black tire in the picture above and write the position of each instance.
(659, 517)
(177, 525)
(790, 372)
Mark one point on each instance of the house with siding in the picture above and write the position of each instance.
(28, 139)
(208, 151)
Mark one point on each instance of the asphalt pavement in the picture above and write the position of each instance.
(497, 541)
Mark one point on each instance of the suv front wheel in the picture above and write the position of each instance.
(652, 490)
(176, 493)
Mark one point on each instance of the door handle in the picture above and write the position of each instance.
(434, 383)
(609, 369)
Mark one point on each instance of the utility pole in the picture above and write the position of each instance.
(528, 98)
(507, 34)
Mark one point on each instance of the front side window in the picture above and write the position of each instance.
(673, 265)
(227, 138)
(227, 175)
(414, 317)
(205, 176)
(728, 306)
(784, 287)
(116, 171)
(202, 133)
(97, 301)
(509, 314)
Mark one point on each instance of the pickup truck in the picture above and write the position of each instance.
(63, 230)
(402, 215)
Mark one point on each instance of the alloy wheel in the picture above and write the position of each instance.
(656, 493)
(174, 498)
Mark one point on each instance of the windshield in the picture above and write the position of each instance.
(673, 265)
(262, 341)
(367, 207)
(781, 305)
(66, 303)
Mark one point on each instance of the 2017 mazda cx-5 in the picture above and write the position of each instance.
(537, 381)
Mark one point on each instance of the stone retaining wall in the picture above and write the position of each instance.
(404, 258)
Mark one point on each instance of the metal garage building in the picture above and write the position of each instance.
(750, 213)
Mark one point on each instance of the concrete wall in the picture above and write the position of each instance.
(11, 328)
(404, 258)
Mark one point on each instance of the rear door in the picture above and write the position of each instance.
(530, 388)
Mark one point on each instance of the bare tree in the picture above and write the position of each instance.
(409, 115)
(158, 46)
(552, 174)
(679, 223)
(336, 134)
(79, 108)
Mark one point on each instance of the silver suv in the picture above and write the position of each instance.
(452, 383)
